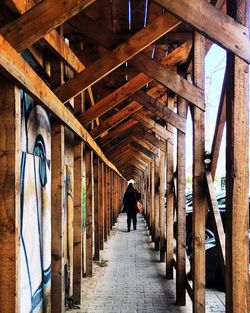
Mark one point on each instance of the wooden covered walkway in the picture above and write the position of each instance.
(94, 93)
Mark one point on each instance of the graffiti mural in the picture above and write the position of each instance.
(35, 256)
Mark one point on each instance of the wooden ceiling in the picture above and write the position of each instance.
(131, 56)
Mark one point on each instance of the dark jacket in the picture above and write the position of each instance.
(129, 202)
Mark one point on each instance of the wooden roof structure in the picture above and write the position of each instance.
(120, 76)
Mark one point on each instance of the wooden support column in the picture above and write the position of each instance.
(162, 208)
(57, 214)
(170, 199)
(101, 204)
(181, 209)
(157, 205)
(111, 198)
(198, 222)
(152, 219)
(77, 253)
(10, 128)
(89, 210)
(96, 209)
(108, 200)
(105, 202)
(237, 180)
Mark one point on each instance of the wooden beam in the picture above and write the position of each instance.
(151, 124)
(118, 56)
(57, 217)
(170, 79)
(101, 204)
(157, 205)
(136, 83)
(16, 68)
(10, 148)
(232, 35)
(170, 200)
(155, 141)
(145, 144)
(118, 117)
(162, 209)
(114, 98)
(77, 254)
(181, 210)
(117, 131)
(198, 222)
(217, 221)
(237, 172)
(39, 20)
(89, 210)
(159, 108)
(219, 128)
(96, 210)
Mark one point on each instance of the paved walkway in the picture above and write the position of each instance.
(130, 279)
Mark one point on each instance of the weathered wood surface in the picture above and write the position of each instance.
(232, 35)
(162, 209)
(237, 172)
(170, 199)
(181, 210)
(198, 222)
(25, 77)
(78, 218)
(118, 56)
(170, 79)
(116, 118)
(10, 128)
(26, 29)
(177, 55)
(57, 218)
(89, 210)
(96, 210)
(157, 107)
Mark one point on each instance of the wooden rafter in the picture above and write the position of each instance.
(232, 35)
(12, 64)
(170, 79)
(118, 56)
(39, 20)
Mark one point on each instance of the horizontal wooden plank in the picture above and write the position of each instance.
(151, 124)
(224, 30)
(112, 121)
(114, 98)
(14, 67)
(118, 56)
(177, 55)
(170, 79)
(39, 20)
(159, 108)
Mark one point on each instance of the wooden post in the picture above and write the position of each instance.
(10, 127)
(162, 207)
(96, 209)
(57, 214)
(101, 204)
(170, 200)
(105, 201)
(237, 180)
(181, 210)
(89, 218)
(157, 205)
(152, 220)
(111, 198)
(108, 200)
(198, 222)
(78, 226)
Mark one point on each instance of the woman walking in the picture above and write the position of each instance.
(129, 201)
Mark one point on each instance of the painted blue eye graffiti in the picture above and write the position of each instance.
(40, 151)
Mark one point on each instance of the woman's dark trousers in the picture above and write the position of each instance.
(132, 217)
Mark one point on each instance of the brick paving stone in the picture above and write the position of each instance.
(134, 280)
